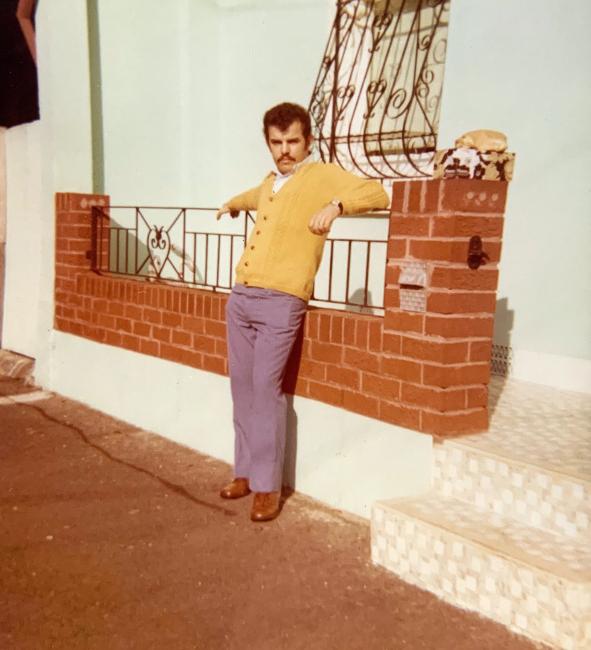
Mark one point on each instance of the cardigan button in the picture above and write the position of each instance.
(245, 263)
(271, 198)
(252, 248)
(258, 232)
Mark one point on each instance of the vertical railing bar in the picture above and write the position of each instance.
(217, 270)
(108, 246)
(194, 257)
(367, 254)
(126, 250)
(330, 267)
(184, 244)
(100, 242)
(206, 256)
(112, 262)
(231, 261)
(118, 247)
(348, 272)
(137, 236)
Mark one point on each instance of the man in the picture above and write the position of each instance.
(295, 206)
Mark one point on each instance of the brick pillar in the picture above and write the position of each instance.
(73, 238)
(439, 311)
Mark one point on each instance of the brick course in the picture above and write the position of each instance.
(426, 371)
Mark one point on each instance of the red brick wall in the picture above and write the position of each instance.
(425, 371)
(445, 351)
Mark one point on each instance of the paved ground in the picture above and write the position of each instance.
(113, 538)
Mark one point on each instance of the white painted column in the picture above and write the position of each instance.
(52, 154)
(2, 223)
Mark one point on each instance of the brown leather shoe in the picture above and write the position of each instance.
(236, 489)
(265, 506)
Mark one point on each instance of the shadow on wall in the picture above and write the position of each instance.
(289, 385)
(501, 352)
(357, 299)
(96, 98)
(291, 445)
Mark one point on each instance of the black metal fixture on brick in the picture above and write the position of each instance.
(476, 256)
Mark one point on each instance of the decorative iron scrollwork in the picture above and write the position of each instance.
(158, 245)
(375, 103)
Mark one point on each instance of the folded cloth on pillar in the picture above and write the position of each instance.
(465, 162)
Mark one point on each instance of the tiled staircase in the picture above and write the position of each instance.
(506, 529)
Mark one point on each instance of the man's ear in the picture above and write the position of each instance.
(310, 143)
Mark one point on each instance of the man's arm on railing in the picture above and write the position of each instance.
(248, 200)
(357, 195)
(351, 195)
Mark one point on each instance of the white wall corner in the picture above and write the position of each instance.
(564, 373)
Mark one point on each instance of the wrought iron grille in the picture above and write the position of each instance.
(170, 244)
(501, 360)
(375, 103)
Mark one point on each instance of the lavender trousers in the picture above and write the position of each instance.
(262, 325)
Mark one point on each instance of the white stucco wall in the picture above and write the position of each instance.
(50, 155)
(160, 101)
(185, 90)
(24, 237)
(522, 68)
(271, 52)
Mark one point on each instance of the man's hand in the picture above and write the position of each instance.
(321, 222)
(225, 209)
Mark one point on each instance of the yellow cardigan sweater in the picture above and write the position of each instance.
(282, 253)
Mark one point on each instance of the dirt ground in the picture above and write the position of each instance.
(114, 538)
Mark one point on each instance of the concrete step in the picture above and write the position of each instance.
(537, 582)
(531, 494)
(16, 366)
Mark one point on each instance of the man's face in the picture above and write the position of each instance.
(288, 147)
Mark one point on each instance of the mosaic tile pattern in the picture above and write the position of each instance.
(532, 495)
(538, 425)
(541, 549)
(431, 542)
(506, 530)
(413, 300)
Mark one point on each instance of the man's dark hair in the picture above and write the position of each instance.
(283, 115)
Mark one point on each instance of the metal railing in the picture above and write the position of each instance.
(174, 244)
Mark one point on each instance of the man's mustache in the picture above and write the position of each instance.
(285, 158)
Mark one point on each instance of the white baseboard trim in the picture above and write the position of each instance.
(564, 373)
